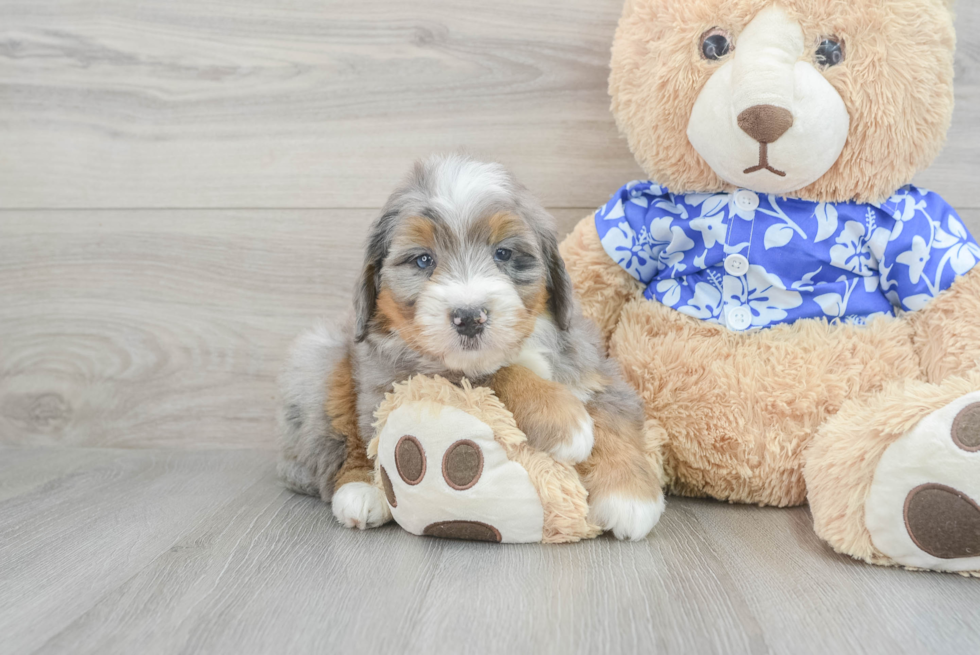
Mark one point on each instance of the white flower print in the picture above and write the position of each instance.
(963, 255)
(670, 290)
(671, 256)
(917, 302)
(765, 295)
(853, 251)
(629, 251)
(712, 229)
(915, 258)
(706, 303)
(780, 234)
(896, 255)
(833, 304)
(711, 222)
(826, 215)
(905, 210)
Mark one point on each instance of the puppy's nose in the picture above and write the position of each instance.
(765, 123)
(469, 322)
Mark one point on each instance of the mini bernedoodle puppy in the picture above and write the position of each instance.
(462, 278)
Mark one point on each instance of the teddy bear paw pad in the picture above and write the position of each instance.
(922, 508)
(444, 475)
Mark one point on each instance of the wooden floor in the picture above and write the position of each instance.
(150, 551)
(184, 186)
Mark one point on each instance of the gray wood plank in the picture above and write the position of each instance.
(261, 570)
(109, 103)
(299, 103)
(66, 544)
(164, 328)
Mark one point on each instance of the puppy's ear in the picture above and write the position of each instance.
(366, 293)
(561, 299)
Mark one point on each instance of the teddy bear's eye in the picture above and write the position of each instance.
(715, 44)
(830, 52)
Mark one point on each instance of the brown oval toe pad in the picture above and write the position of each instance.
(410, 460)
(943, 521)
(389, 490)
(462, 465)
(966, 428)
(469, 530)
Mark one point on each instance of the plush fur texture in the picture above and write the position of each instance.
(841, 461)
(562, 494)
(459, 240)
(803, 412)
(898, 123)
(756, 417)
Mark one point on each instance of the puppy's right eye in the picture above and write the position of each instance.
(715, 44)
(424, 261)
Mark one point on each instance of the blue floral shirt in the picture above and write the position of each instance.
(749, 260)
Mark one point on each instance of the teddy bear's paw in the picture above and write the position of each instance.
(445, 475)
(360, 505)
(577, 446)
(923, 508)
(628, 518)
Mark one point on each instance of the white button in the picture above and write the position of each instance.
(746, 200)
(736, 265)
(739, 318)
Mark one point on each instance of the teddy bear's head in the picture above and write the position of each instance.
(828, 100)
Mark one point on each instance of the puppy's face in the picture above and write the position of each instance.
(466, 267)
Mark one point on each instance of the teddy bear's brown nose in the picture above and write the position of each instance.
(765, 123)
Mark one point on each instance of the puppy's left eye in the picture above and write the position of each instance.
(502, 255)
(830, 52)
(424, 261)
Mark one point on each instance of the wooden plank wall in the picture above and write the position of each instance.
(186, 185)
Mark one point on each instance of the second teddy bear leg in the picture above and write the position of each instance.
(624, 485)
(895, 478)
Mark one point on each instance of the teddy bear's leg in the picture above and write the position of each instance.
(946, 332)
(602, 286)
(895, 478)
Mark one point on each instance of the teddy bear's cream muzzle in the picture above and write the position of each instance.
(768, 120)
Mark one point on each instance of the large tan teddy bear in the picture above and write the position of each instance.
(803, 323)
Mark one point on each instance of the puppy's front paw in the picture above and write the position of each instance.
(577, 446)
(628, 518)
(360, 505)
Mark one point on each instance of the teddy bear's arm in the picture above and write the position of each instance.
(946, 332)
(601, 285)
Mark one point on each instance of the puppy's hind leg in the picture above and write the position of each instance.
(311, 451)
(625, 494)
(321, 453)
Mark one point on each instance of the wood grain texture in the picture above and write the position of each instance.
(203, 552)
(167, 328)
(299, 103)
(164, 328)
(174, 103)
